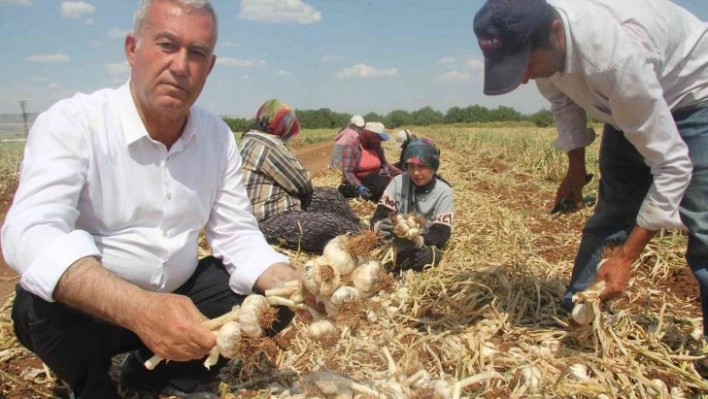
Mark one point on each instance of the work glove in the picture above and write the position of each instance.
(384, 228)
(364, 192)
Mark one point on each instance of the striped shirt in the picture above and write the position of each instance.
(274, 177)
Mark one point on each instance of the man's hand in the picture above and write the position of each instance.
(171, 327)
(615, 272)
(364, 192)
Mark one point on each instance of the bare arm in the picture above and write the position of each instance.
(169, 324)
(275, 276)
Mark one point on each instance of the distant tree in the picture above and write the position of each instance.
(455, 115)
(238, 125)
(396, 118)
(542, 118)
(426, 116)
(373, 117)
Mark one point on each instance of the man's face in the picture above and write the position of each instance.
(171, 57)
(544, 62)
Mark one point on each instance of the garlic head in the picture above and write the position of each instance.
(368, 278)
(322, 329)
(228, 340)
(256, 315)
(335, 251)
(342, 296)
(320, 277)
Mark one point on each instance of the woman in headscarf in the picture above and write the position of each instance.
(364, 166)
(290, 211)
(421, 192)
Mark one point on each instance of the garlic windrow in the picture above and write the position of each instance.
(256, 315)
(368, 278)
(319, 277)
(336, 252)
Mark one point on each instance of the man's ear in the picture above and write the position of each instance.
(213, 62)
(129, 46)
(557, 32)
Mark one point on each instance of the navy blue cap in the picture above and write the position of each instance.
(504, 29)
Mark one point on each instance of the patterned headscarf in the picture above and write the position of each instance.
(277, 118)
(423, 152)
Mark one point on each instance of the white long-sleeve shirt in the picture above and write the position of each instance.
(630, 64)
(93, 183)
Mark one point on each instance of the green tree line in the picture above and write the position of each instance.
(325, 118)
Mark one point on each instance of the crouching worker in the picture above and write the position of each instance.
(115, 187)
(421, 192)
(290, 211)
(366, 172)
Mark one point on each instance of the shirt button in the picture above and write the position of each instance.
(168, 196)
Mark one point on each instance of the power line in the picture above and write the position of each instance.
(23, 105)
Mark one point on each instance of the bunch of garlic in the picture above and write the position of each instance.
(339, 280)
(408, 226)
(587, 304)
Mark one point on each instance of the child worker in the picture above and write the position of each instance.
(421, 192)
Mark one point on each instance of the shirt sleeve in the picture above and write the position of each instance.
(571, 119)
(350, 164)
(232, 230)
(39, 239)
(440, 229)
(287, 171)
(640, 111)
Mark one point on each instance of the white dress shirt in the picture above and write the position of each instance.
(93, 183)
(630, 64)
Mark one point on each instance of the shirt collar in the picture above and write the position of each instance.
(133, 127)
(570, 65)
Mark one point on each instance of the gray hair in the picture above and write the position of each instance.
(196, 5)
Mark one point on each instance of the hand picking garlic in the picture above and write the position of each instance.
(319, 277)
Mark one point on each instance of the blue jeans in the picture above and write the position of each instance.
(625, 181)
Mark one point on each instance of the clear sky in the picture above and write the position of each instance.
(351, 56)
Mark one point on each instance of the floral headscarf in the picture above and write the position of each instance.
(423, 152)
(277, 118)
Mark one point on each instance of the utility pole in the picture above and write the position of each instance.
(23, 105)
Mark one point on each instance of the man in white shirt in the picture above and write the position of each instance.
(641, 67)
(114, 189)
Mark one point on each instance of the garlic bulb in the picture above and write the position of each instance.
(335, 251)
(657, 389)
(322, 329)
(319, 277)
(228, 340)
(578, 372)
(255, 315)
(442, 388)
(339, 298)
(583, 314)
(530, 378)
(368, 278)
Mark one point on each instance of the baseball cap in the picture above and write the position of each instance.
(378, 128)
(357, 121)
(504, 29)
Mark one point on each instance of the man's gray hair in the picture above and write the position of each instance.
(201, 5)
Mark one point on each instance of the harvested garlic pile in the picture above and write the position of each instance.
(587, 304)
(339, 279)
(408, 226)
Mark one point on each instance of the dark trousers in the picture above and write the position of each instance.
(78, 348)
(375, 182)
